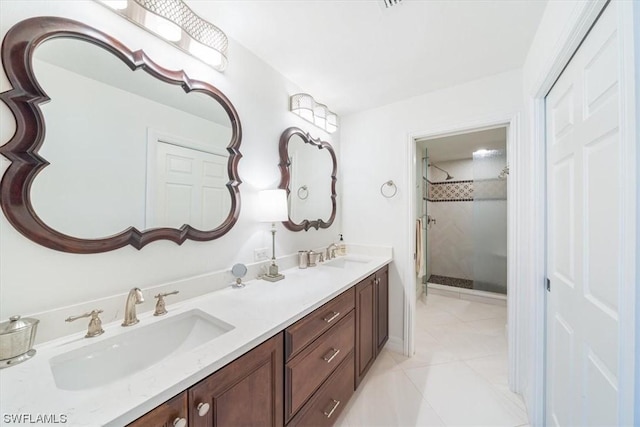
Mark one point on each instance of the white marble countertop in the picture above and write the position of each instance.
(257, 312)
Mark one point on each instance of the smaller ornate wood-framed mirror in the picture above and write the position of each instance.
(308, 167)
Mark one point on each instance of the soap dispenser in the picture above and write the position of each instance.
(342, 247)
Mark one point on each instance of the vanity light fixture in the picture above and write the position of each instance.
(273, 208)
(176, 23)
(306, 107)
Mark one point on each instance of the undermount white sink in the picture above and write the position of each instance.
(345, 262)
(115, 358)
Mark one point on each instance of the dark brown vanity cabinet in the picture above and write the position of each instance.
(372, 320)
(246, 392)
(316, 347)
(382, 305)
(303, 376)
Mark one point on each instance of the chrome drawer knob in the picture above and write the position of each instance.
(203, 409)
(180, 422)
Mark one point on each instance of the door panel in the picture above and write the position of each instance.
(584, 225)
(189, 187)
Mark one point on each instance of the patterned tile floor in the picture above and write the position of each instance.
(458, 376)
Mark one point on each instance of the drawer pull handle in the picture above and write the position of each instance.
(180, 422)
(332, 317)
(203, 408)
(328, 358)
(334, 404)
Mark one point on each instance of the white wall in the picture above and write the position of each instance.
(384, 134)
(34, 278)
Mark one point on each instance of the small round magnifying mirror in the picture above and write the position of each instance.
(238, 271)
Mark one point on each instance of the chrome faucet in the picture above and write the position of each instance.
(134, 297)
(331, 251)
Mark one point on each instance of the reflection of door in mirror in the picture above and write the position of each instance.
(185, 185)
(310, 168)
(96, 143)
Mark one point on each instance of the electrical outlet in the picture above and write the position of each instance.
(261, 254)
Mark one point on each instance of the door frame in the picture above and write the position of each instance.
(511, 122)
(628, 377)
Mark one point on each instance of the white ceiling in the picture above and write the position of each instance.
(462, 146)
(354, 54)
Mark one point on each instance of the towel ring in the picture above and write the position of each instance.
(389, 193)
(303, 192)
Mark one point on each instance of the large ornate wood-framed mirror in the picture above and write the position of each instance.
(308, 170)
(131, 152)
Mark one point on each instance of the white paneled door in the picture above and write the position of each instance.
(585, 221)
(189, 187)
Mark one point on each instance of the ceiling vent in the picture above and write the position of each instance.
(391, 3)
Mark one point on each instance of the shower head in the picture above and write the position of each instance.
(448, 178)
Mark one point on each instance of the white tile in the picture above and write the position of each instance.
(385, 362)
(485, 300)
(465, 345)
(495, 326)
(389, 399)
(462, 397)
(459, 373)
(433, 316)
(469, 310)
(492, 368)
(428, 352)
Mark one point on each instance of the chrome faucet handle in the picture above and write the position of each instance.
(321, 257)
(160, 305)
(95, 324)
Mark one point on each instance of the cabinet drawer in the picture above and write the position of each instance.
(165, 415)
(304, 331)
(329, 401)
(308, 370)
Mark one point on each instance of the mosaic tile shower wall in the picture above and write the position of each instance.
(467, 191)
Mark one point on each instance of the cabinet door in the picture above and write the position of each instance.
(366, 342)
(246, 392)
(382, 305)
(169, 414)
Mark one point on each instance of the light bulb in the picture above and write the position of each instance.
(206, 54)
(163, 27)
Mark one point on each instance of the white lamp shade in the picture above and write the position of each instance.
(273, 205)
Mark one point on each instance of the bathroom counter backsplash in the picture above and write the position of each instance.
(256, 312)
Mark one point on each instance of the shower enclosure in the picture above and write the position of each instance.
(464, 216)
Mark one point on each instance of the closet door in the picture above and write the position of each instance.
(585, 217)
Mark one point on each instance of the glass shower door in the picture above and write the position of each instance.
(489, 221)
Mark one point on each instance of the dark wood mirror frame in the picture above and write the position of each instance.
(24, 99)
(286, 176)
